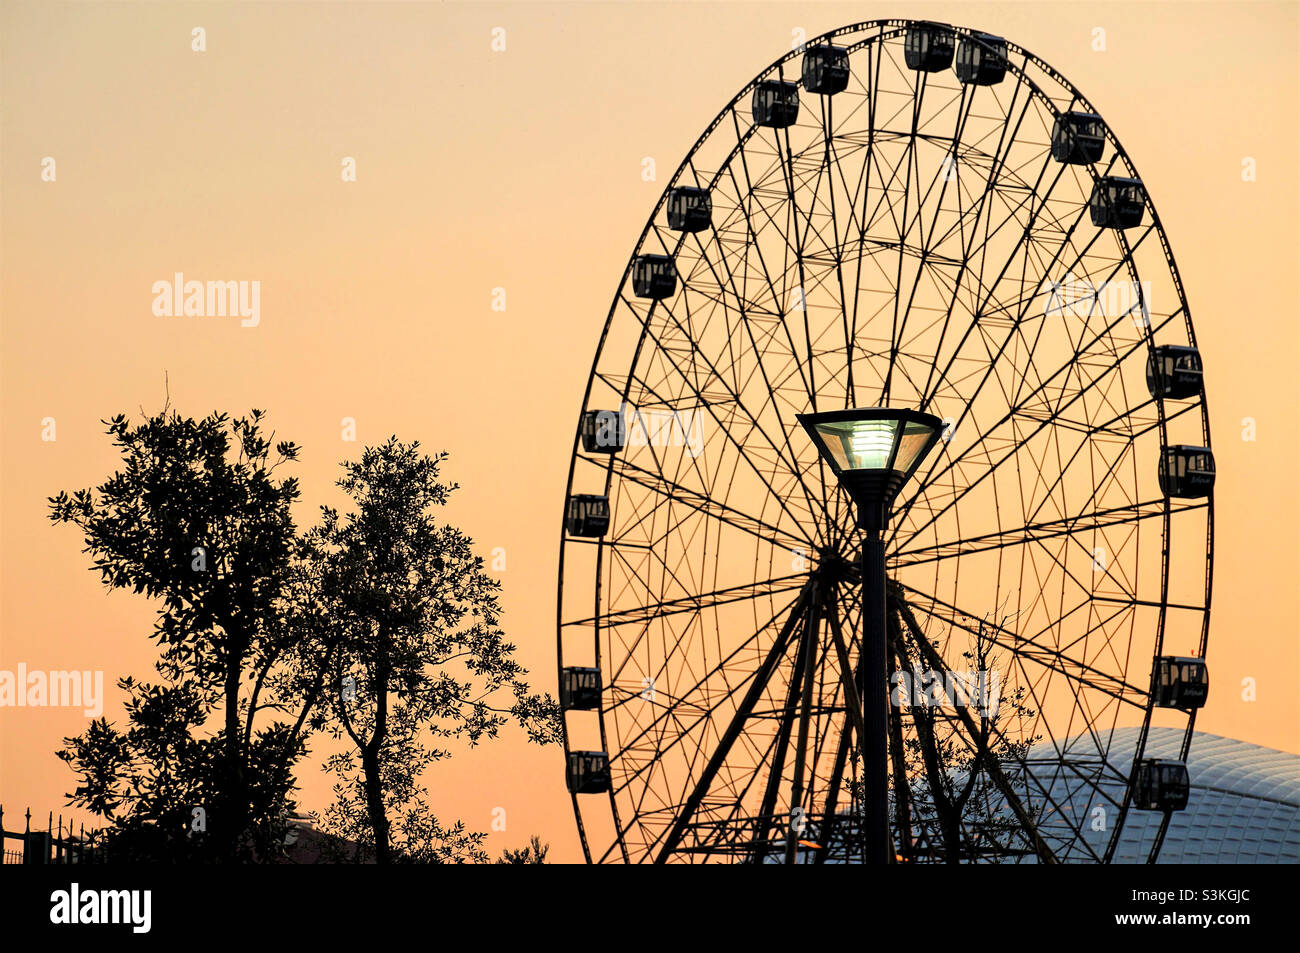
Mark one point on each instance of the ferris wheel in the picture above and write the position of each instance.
(900, 213)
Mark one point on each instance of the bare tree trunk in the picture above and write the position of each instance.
(375, 802)
(370, 757)
(231, 826)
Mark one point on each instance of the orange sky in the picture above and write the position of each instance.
(522, 170)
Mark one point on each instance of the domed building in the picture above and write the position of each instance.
(1243, 808)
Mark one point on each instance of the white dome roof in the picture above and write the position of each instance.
(1244, 805)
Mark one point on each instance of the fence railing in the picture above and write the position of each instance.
(56, 844)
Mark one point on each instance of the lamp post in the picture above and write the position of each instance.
(873, 452)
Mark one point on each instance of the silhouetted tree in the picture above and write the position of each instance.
(422, 658)
(197, 519)
(534, 853)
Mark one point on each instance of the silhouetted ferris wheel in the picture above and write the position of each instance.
(900, 213)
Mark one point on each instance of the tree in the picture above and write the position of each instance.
(197, 518)
(421, 655)
(534, 853)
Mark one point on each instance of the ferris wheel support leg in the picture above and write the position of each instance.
(875, 700)
(757, 686)
(990, 760)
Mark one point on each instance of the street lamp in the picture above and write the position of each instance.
(873, 452)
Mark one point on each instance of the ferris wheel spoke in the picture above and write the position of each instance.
(1101, 483)
(689, 698)
(743, 194)
(780, 298)
(1013, 413)
(991, 359)
(918, 98)
(997, 161)
(1067, 781)
(768, 381)
(1026, 648)
(850, 343)
(1092, 521)
(772, 387)
(646, 633)
(640, 615)
(786, 155)
(1096, 771)
(742, 308)
(959, 282)
(973, 249)
(680, 639)
(705, 504)
(1091, 590)
(831, 177)
(745, 452)
(756, 349)
(1073, 361)
(831, 160)
(925, 245)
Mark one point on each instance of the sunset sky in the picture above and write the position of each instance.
(521, 170)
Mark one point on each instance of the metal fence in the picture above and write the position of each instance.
(56, 844)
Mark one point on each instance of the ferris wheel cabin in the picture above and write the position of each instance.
(1174, 372)
(928, 46)
(579, 688)
(776, 103)
(981, 59)
(1186, 472)
(826, 70)
(1078, 138)
(587, 515)
(1117, 202)
(654, 277)
(587, 772)
(1180, 682)
(689, 209)
(1162, 785)
(603, 431)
